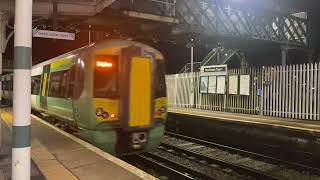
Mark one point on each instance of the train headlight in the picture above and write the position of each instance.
(99, 111)
(163, 109)
(113, 115)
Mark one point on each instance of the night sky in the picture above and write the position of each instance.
(177, 54)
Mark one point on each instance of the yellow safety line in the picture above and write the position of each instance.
(7, 118)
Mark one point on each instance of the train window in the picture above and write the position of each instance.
(9, 85)
(3, 85)
(160, 81)
(75, 81)
(35, 84)
(106, 83)
(57, 84)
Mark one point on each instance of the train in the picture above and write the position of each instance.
(112, 92)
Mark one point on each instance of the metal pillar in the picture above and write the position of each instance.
(284, 56)
(191, 75)
(21, 130)
(3, 22)
(89, 35)
(2, 48)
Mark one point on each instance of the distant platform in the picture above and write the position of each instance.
(276, 122)
(60, 155)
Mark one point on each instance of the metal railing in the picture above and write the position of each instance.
(291, 91)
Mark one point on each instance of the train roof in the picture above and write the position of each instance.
(97, 46)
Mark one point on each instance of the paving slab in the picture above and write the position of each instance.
(62, 156)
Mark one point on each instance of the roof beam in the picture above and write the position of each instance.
(76, 8)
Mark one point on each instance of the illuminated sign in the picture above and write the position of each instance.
(103, 64)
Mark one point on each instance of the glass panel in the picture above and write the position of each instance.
(106, 83)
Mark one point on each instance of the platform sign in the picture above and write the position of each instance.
(53, 34)
(212, 87)
(233, 84)
(245, 85)
(221, 84)
(214, 70)
(215, 74)
(204, 84)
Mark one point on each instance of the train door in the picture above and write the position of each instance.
(74, 89)
(135, 78)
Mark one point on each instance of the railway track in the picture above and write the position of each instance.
(165, 168)
(256, 165)
(208, 164)
(209, 160)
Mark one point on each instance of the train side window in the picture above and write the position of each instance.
(3, 87)
(35, 84)
(10, 85)
(57, 84)
(75, 81)
(160, 81)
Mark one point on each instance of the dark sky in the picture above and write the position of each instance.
(178, 54)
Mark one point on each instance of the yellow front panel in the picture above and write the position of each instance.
(140, 92)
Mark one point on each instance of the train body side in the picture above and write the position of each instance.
(65, 88)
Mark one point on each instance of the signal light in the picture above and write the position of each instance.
(112, 115)
(155, 114)
(103, 64)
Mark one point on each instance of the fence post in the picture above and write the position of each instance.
(175, 90)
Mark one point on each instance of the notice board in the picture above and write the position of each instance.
(233, 84)
(204, 84)
(212, 88)
(221, 84)
(245, 85)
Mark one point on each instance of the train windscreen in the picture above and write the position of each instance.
(106, 83)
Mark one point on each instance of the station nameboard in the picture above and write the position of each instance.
(214, 70)
(53, 34)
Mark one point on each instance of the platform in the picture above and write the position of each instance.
(293, 124)
(273, 136)
(60, 155)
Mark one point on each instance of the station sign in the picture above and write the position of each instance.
(214, 70)
(53, 34)
(213, 79)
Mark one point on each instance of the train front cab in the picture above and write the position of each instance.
(129, 100)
